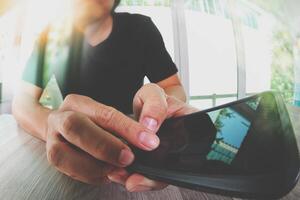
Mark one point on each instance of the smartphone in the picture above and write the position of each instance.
(246, 148)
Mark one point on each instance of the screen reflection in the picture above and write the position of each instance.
(242, 138)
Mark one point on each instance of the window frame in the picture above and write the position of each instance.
(180, 39)
(181, 48)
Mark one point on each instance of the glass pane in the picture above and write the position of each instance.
(206, 9)
(195, 4)
(212, 55)
(256, 29)
(211, 6)
(201, 104)
(219, 8)
(225, 100)
(269, 46)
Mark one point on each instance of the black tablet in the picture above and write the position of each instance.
(246, 148)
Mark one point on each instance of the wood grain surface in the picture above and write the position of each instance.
(26, 174)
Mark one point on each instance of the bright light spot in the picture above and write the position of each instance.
(41, 12)
(19, 28)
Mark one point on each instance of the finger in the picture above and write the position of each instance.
(139, 183)
(178, 108)
(80, 131)
(118, 175)
(150, 106)
(113, 120)
(76, 163)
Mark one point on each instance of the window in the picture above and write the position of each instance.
(234, 48)
(19, 28)
(257, 45)
(210, 6)
(212, 55)
(9, 53)
(195, 5)
(258, 58)
(268, 48)
(213, 7)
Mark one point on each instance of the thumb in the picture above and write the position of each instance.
(153, 106)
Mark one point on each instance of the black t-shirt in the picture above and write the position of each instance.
(114, 70)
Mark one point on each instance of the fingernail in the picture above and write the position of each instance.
(149, 140)
(126, 157)
(116, 179)
(140, 188)
(150, 123)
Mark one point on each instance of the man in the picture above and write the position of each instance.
(119, 50)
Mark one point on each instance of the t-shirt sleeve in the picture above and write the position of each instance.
(157, 61)
(33, 71)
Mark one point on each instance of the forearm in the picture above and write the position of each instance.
(31, 116)
(176, 91)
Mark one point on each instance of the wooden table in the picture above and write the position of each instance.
(26, 174)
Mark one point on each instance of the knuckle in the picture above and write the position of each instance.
(69, 122)
(126, 126)
(54, 155)
(70, 98)
(106, 115)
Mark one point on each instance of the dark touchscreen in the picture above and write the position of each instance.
(248, 138)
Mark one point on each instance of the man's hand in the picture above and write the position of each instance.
(82, 139)
(151, 107)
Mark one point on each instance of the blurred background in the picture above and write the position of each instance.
(224, 49)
